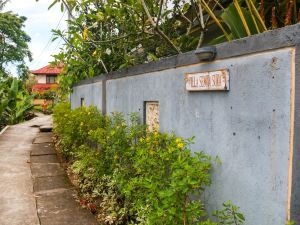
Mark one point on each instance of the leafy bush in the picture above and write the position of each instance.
(48, 94)
(15, 103)
(73, 126)
(128, 175)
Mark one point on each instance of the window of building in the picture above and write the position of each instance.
(50, 79)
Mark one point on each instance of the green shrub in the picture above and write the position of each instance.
(73, 126)
(134, 176)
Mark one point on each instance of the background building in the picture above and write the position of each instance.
(46, 78)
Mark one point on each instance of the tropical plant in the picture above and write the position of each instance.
(15, 103)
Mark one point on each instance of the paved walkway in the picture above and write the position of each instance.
(34, 189)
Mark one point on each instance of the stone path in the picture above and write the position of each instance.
(34, 189)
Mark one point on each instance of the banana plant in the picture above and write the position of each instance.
(14, 104)
(236, 21)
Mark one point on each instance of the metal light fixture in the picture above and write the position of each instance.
(206, 53)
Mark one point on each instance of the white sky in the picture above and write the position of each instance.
(40, 22)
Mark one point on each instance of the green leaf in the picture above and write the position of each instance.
(240, 216)
(52, 4)
(62, 7)
(232, 19)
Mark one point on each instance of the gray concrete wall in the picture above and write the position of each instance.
(253, 128)
(247, 127)
(92, 95)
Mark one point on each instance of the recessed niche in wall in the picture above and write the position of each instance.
(82, 103)
(151, 114)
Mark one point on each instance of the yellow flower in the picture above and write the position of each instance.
(178, 140)
(81, 124)
(180, 145)
(95, 53)
(84, 34)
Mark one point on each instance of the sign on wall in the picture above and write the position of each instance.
(208, 81)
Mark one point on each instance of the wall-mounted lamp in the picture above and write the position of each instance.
(206, 53)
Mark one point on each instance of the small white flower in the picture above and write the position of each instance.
(95, 25)
(108, 51)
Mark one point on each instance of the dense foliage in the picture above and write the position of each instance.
(104, 36)
(15, 103)
(13, 42)
(128, 175)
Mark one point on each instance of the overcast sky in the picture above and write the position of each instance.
(40, 22)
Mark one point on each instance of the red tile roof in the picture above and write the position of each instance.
(50, 69)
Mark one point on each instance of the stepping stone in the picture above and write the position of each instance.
(62, 209)
(46, 128)
(46, 134)
(51, 183)
(43, 139)
(42, 149)
(48, 151)
(43, 159)
(46, 170)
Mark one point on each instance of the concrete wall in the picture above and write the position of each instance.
(91, 94)
(253, 128)
(247, 127)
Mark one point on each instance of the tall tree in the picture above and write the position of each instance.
(13, 40)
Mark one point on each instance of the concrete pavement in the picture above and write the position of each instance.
(34, 189)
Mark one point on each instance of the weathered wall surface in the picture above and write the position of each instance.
(247, 127)
(91, 94)
(253, 127)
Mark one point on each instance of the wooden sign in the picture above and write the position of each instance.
(208, 81)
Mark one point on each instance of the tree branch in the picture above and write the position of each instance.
(159, 13)
(68, 9)
(160, 32)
